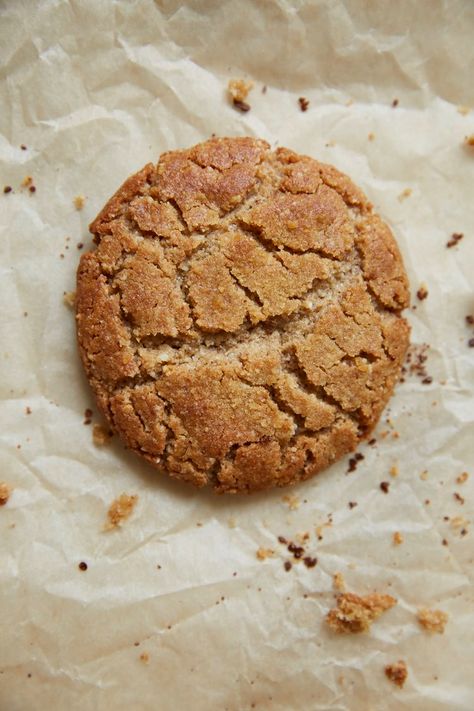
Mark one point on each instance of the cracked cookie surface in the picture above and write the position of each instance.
(239, 320)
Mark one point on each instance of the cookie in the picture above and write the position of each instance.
(239, 320)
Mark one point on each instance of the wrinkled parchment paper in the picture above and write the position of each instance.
(94, 90)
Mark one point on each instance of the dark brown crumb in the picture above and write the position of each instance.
(80, 245)
(32, 189)
(287, 565)
(395, 103)
(428, 380)
(7, 189)
(296, 550)
(470, 343)
(282, 539)
(455, 238)
(82, 566)
(373, 440)
(385, 485)
(416, 359)
(23, 147)
(352, 465)
(470, 320)
(422, 292)
(444, 542)
(458, 497)
(264, 89)
(310, 562)
(463, 532)
(352, 504)
(241, 105)
(304, 103)
(397, 673)
(358, 456)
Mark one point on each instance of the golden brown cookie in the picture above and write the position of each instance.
(239, 321)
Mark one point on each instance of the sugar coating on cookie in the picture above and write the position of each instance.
(239, 320)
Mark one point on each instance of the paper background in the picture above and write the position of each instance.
(95, 90)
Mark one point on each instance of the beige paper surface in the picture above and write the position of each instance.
(94, 90)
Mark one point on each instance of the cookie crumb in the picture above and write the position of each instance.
(5, 492)
(145, 657)
(355, 613)
(101, 435)
(7, 189)
(82, 566)
(23, 147)
(462, 478)
(79, 202)
(338, 582)
(469, 140)
(405, 194)
(238, 90)
(120, 510)
(304, 103)
(287, 565)
(264, 553)
(457, 521)
(463, 110)
(455, 238)
(385, 486)
(27, 181)
(28, 410)
(264, 89)
(432, 620)
(395, 103)
(470, 320)
(32, 189)
(397, 673)
(397, 538)
(371, 136)
(422, 292)
(470, 343)
(352, 504)
(292, 501)
(88, 416)
(69, 299)
(394, 471)
(309, 561)
(458, 497)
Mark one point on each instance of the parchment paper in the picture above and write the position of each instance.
(94, 90)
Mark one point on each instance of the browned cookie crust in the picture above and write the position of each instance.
(239, 320)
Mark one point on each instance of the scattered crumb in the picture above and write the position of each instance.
(432, 620)
(287, 565)
(28, 410)
(303, 537)
(462, 478)
(470, 343)
(101, 435)
(405, 194)
(80, 245)
(397, 672)
(7, 189)
(394, 470)
(458, 497)
(292, 501)
(304, 103)
(415, 363)
(120, 509)
(264, 553)
(231, 522)
(455, 238)
(32, 189)
(79, 202)
(395, 103)
(422, 292)
(470, 320)
(23, 147)
(397, 538)
(69, 299)
(371, 136)
(385, 486)
(309, 561)
(424, 475)
(264, 89)
(338, 582)
(458, 522)
(238, 90)
(5, 492)
(27, 181)
(145, 657)
(319, 529)
(352, 504)
(355, 613)
(354, 461)
(463, 110)
(88, 416)
(469, 140)
(82, 566)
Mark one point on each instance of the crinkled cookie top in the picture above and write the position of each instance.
(239, 320)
